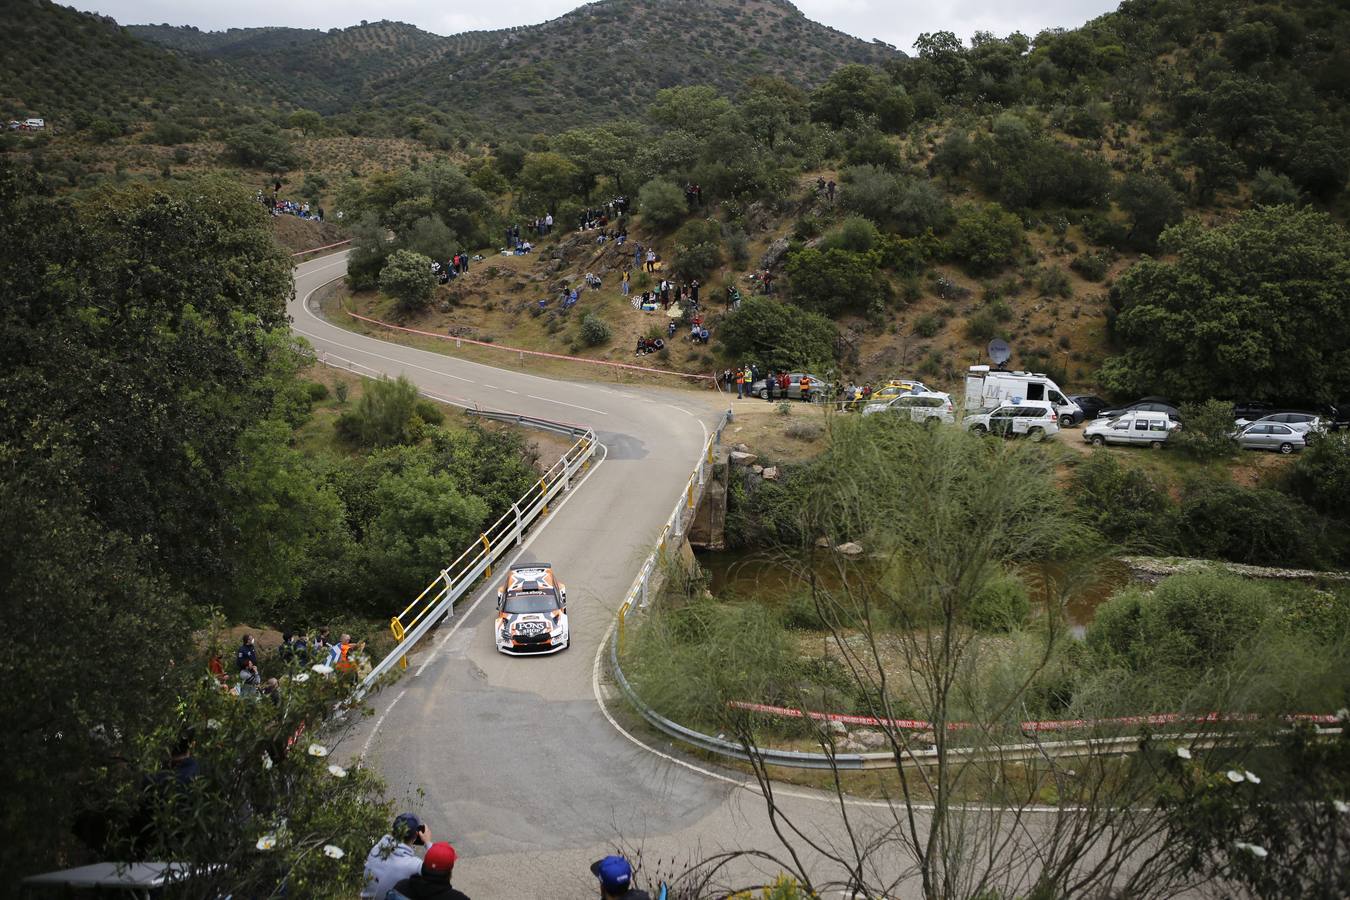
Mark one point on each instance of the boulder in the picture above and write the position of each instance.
(741, 458)
(872, 740)
(741, 448)
(774, 254)
(849, 549)
(770, 474)
(823, 543)
(836, 727)
(757, 469)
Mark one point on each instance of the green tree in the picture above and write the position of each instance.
(307, 121)
(1320, 476)
(548, 178)
(407, 277)
(1125, 504)
(778, 335)
(595, 331)
(1208, 433)
(662, 203)
(370, 250)
(857, 92)
(260, 147)
(1274, 189)
(1151, 205)
(986, 238)
(696, 109)
(1257, 307)
(698, 249)
(430, 237)
(832, 282)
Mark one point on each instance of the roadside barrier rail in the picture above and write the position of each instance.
(321, 249)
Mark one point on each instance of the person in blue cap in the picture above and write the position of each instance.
(616, 879)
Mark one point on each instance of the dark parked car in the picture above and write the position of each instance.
(1143, 404)
(1088, 405)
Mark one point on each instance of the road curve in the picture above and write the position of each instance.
(520, 766)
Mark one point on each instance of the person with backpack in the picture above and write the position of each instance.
(393, 858)
(433, 882)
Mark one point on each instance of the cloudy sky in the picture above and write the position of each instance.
(894, 21)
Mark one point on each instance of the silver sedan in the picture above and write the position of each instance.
(1271, 436)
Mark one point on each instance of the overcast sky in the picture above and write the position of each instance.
(894, 21)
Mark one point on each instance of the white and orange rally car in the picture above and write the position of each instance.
(532, 611)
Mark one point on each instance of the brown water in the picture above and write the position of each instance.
(756, 575)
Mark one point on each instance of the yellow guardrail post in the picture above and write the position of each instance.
(623, 611)
(689, 495)
(710, 453)
(487, 551)
(396, 627)
(543, 492)
(586, 452)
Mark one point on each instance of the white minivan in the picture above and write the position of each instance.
(986, 388)
(1033, 418)
(925, 407)
(1139, 427)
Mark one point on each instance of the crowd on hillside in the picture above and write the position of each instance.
(343, 656)
(278, 207)
(395, 872)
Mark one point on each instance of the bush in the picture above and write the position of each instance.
(1053, 282)
(429, 411)
(1091, 266)
(835, 281)
(1207, 434)
(407, 277)
(595, 330)
(911, 206)
(927, 325)
(855, 234)
(1274, 189)
(982, 327)
(315, 391)
(1222, 520)
(698, 249)
(778, 335)
(384, 416)
(1124, 503)
(260, 147)
(1002, 604)
(986, 238)
(1320, 476)
(662, 203)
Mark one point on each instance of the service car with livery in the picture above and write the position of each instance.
(532, 611)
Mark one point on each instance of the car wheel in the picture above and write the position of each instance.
(1286, 448)
(930, 422)
(979, 429)
(1098, 441)
(764, 394)
(1156, 445)
(1036, 433)
(1066, 421)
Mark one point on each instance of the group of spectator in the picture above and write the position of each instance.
(776, 383)
(452, 268)
(693, 194)
(297, 649)
(514, 242)
(542, 226)
(395, 872)
(600, 216)
(825, 189)
(277, 207)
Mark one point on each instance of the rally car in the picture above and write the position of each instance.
(532, 611)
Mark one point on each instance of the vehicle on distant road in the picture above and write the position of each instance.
(532, 611)
(1033, 418)
(1142, 427)
(1143, 404)
(1271, 436)
(925, 407)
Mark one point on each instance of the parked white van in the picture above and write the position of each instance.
(1139, 427)
(987, 388)
(1033, 418)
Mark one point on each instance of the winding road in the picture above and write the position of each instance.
(522, 765)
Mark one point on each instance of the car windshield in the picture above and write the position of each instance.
(518, 604)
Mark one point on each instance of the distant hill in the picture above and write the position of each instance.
(602, 60)
(76, 68)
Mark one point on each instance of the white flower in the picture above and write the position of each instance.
(267, 760)
(267, 842)
(322, 668)
(1343, 714)
(1183, 752)
(318, 750)
(1236, 777)
(333, 851)
(213, 724)
(337, 771)
(300, 677)
(1342, 807)
(1251, 776)
(1255, 850)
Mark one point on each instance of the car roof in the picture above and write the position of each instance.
(534, 578)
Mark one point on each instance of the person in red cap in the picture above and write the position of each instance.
(434, 881)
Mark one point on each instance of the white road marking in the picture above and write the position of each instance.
(598, 412)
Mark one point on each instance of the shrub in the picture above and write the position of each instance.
(340, 392)
(834, 281)
(986, 238)
(595, 330)
(429, 411)
(315, 391)
(1226, 521)
(1053, 282)
(384, 416)
(1002, 604)
(1091, 266)
(260, 147)
(662, 203)
(1207, 433)
(1320, 476)
(1274, 189)
(407, 277)
(803, 431)
(698, 249)
(927, 325)
(1124, 503)
(856, 234)
(982, 326)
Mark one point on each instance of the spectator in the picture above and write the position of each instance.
(271, 690)
(434, 879)
(393, 858)
(784, 380)
(770, 384)
(740, 383)
(217, 669)
(829, 191)
(651, 260)
(624, 287)
(249, 679)
(806, 388)
(548, 223)
(616, 879)
(246, 655)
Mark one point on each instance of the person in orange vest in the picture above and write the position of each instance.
(340, 656)
(740, 383)
(806, 387)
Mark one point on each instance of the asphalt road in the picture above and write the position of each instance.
(517, 761)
